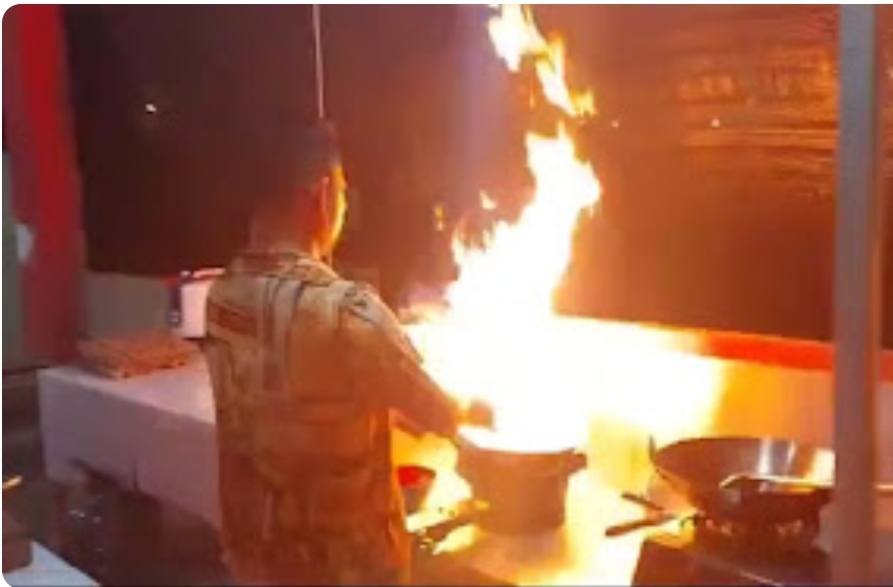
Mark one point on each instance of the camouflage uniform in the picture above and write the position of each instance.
(305, 367)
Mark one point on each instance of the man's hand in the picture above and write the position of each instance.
(479, 413)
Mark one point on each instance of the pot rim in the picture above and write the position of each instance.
(485, 442)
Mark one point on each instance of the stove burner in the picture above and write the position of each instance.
(794, 539)
(684, 559)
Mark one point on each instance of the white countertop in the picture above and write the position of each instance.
(185, 391)
(153, 433)
(156, 434)
(47, 569)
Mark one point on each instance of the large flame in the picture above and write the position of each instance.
(511, 282)
(515, 36)
(551, 379)
(500, 340)
(516, 274)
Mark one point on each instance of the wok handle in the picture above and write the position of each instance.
(652, 448)
(627, 527)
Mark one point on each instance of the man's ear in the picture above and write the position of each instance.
(323, 197)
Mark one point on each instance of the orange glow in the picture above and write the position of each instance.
(509, 283)
(517, 273)
(487, 203)
(552, 379)
(515, 36)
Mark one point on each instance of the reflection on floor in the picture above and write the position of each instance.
(115, 538)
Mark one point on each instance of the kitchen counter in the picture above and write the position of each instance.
(576, 554)
(156, 435)
(47, 569)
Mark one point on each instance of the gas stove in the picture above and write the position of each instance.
(704, 552)
(685, 559)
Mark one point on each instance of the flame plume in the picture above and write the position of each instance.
(500, 339)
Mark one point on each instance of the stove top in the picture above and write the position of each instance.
(790, 542)
(692, 556)
(683, 559)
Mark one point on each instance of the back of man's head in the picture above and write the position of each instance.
(290, 166)
(316, 153)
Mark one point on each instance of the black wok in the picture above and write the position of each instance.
(699, 469)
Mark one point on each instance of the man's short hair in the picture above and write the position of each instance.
(288, 166)
(316, 153)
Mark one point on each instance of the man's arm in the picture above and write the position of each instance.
(380, 352)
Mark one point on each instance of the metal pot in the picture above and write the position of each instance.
(525, 492)
(701, 469)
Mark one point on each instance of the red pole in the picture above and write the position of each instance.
(45, 180)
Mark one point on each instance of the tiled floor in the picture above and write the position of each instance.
(117, 540)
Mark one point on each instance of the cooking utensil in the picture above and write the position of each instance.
(465, 513)
(631, 526)
(697, 468)
(782, 484)
(525, 491)
(656, 516)
(642, 501)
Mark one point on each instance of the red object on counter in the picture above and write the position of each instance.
(414, 476)
(415, 482)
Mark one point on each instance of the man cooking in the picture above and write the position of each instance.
(305, 368)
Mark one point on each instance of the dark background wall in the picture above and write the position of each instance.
(718, 178)
(719, 182)
(164, 190)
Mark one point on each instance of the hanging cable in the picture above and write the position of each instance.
(317, 53)
(320, 82)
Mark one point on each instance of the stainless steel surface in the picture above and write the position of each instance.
(578, 553)
(698, 467)
(782, 483)
(679, 558)
(857, 292)
(430, 569)
(526, 492)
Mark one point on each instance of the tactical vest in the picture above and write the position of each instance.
(307, 490)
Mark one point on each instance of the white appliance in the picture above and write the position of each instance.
(116, 304)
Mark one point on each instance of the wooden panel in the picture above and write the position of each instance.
(719, 178)
(735, 77)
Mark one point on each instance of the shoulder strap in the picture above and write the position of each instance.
(364, 303)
